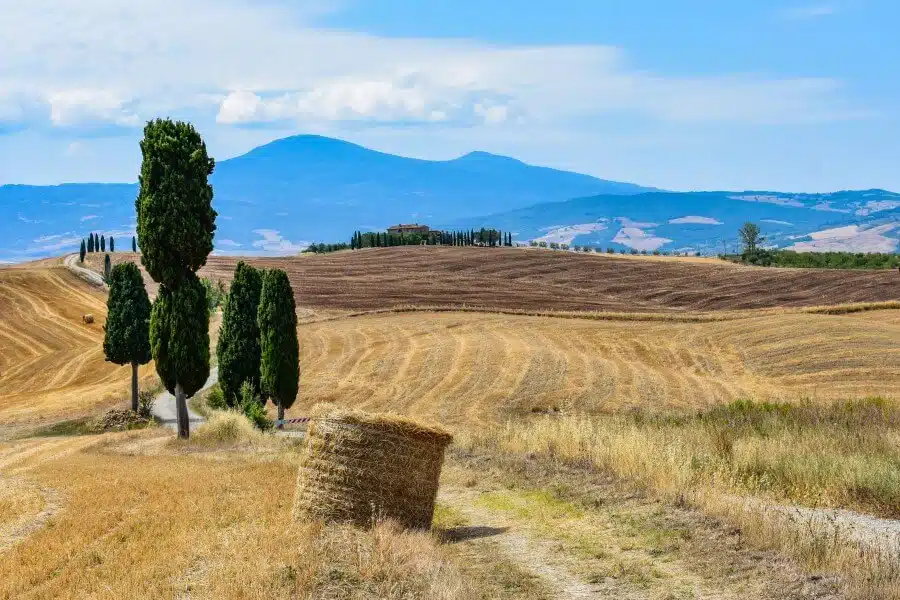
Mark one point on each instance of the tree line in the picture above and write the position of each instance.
(175, 228)
(755, 254)
(97, 243)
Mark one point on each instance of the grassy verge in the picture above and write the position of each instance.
(843, 455)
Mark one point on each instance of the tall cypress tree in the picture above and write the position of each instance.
(82, 251)
(90, 243)
(238, 346)
(102, 243)
(277, 319)
(107, 268)
(133, 244)
(126, 340)
(175, 227)
(112, 244)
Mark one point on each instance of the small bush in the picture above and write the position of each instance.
(253, 408)
(215, 398)
(146, 399)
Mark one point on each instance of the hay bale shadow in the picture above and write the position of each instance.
(454, 535)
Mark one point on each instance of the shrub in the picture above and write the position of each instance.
(146, 400)
(225, 427)
(215, 398)
(253, 408)
(542, 244)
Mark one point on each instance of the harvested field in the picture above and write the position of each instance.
(546, 280)
(51, 362)
(473, 368)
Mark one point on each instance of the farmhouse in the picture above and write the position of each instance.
(413, 228)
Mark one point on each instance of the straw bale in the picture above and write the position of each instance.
(362, 468)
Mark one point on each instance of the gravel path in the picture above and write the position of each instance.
(164, 406)
(92, 277)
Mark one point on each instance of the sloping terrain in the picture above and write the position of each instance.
(513, 278)
(51, 362)
(469, 368)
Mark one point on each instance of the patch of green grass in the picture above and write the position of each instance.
(82, 426)
(535, 505)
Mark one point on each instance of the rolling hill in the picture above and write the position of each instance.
(859, 221)
(280, 196)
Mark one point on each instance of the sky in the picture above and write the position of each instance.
(688, 95)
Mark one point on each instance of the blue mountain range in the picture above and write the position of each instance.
(279, 197)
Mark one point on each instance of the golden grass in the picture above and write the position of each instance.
(834, 455)
(470, 369)
(225, 427)
(51, 363)
(141, 520)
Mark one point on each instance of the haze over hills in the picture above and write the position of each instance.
(863, 221)
(281, 196)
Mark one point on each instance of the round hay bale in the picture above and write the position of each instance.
(88, 318)
(361, 468)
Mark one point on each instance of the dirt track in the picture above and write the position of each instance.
(547, 280)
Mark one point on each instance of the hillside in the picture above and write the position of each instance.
(854, 221)
(532, 279)
(302, 188)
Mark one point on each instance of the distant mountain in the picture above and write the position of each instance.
(859, 221)
(280, 196)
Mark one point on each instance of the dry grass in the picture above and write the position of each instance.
(836, 455)
(51, 363)
(225, 427)
(142, 520)
(469, 369)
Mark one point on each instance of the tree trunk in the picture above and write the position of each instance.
(134, 386)
(281, 415)
(184, 426)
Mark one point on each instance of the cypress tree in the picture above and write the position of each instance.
(175, 227)
(102, 243)
(90, 243)
(126, 339)
(82, 251)
(133, 244)
(112, 244)
(238, 346)
(107, 268)
(277, 319)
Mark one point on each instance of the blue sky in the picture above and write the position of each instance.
(697, 94)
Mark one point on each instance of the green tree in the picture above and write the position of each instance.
(107, 268)
(133, 244)
(238, 347)
(175, 227)
(279, 348)
(90, 242)
(750, 237)
(126, 339)
(82, 251)
(112, 244)
(102, 243)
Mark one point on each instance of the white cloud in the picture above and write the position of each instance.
(89, 218)
(109, 62)
(810, 11)
(274, 243)
(694, 220)
(777, 222)
(228, 243)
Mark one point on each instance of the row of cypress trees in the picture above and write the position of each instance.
(98, 244)
(258, 341)
(375, 239)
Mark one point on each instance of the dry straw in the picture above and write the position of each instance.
(362, 468)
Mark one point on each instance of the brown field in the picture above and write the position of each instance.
(51, 363)
(529, 279)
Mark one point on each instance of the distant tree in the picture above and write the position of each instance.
(107, 268)
(127, 334)
(82, 251)
(102, 243)
(112, 244)
(279, 348)
(90, 243)
(133, 244)
(175, 227)
(750, 237)
(238, 347)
